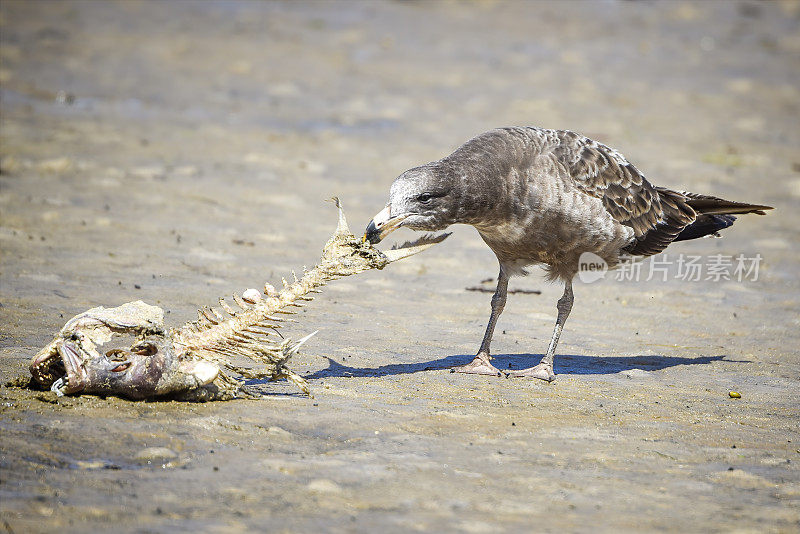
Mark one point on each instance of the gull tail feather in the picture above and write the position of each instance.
(714, 214)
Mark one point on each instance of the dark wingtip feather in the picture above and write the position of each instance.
(719, 206)
(706, 225)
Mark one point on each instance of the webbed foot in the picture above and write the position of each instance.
(479, 366)
(542, 371)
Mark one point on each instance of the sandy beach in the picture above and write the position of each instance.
(177, 152)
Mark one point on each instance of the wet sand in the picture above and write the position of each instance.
(176, 153)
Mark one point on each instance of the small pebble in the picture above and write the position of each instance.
(734, 395)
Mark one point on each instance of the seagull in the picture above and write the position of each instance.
(544, 197)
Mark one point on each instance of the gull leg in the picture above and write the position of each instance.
(545, 368)
(482, 365)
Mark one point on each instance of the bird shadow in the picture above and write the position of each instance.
(570, 364)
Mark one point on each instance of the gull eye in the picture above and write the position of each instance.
(424, 198)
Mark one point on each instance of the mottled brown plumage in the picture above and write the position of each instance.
(544, 197)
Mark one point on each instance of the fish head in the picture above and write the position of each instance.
(122, 351)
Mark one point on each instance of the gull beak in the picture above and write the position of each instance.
(382, 225)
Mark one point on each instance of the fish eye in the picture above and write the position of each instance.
(424, 198)
(116, 355)
(144, 349)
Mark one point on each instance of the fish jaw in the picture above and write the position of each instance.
(142, 362)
